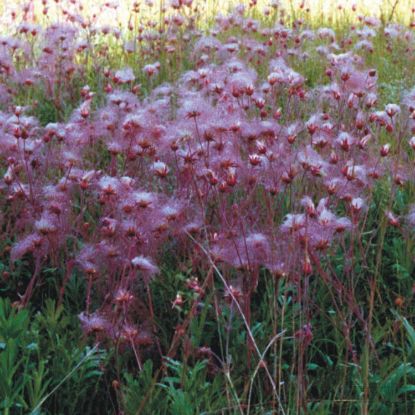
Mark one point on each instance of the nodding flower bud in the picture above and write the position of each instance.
(8, 176)
(384, 150)
(364, 141)
(18, 110)
(399, 180)
(412, 142)
(249, 90)
(392, 219)
(308, 204)
(291, 138)
(232, 293)
(273, 78)
(277, 114)
(254, 159)
(312, 128)
(345, 141)
(108, 88)
(123, 296)
(178, 301)
(345, 76)
(231, 180)
(193, 284)
(223, 187)
(307, 268)
(85, 91)
(334, 158)
(357, 204)
(392, 109)
(260, 103)
(84, 113)
(261, 148)
(359, 123)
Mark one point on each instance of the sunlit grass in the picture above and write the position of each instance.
(317, 13)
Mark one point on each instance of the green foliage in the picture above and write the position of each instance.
(43, 366)
(183, 390)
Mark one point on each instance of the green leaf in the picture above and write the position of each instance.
(312, 366)
(406, 389)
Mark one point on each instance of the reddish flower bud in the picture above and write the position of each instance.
(307, 268)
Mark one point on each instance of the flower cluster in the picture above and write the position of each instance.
(264, 169)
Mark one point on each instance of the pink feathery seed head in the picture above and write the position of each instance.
(130, 229)
(345, 141)
(363, 142)
(145, 265)
(354, 171)
(94, 323)
(172, 210)
(256, 240)
(46, 225)
(326, 33)
(160, 169)
(371, 100)
(151, 69)
(241, 82)
(143, 199)
(124, 76)
(360, 120)
(108, 227)
(309, 206)
(326, 218)
(127, 183)
(410, 217)
(109, 185)
(123, 296)
(114, 147)
(357, 204)
(132, 334)
(293, 222)
(194, 106)
(87, 178)
(364, 45)
(207, 44)
(305, 335)
(311, 161)
(33, 243)
(356, 81)
(70, 158)
(133, 123)
(193, 227)
(409, 99)
(108, 251)
(342, 224)
(392, 110)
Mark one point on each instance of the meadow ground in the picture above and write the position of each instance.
(207, 208)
